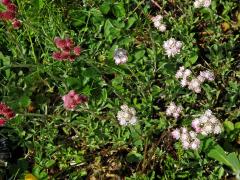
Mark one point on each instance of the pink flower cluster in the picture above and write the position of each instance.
(67, 50)
(173, 110)
(207, 124)
(10, 14)
(193, 83)
(72, 99)
(188, 139)
(6, 112)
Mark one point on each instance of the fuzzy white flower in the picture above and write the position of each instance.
(197, 4)
(187, 73)
(217, 129)
(173, 110)
(180, 72)
(185, 144)
(157, 18)
(157, 21)
(184, 82)
(162, 27)
(120, 56)
(195, 85)
(188, 139)
(206, 3)
(172, 47)
(208, 75)
(195, 144)
(126, 116)
(202, 3)
(176, 134)
(207, 124)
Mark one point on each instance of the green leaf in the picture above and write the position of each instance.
(134, 157)
(119, 10)
(237, 125)
(50, 163)
(24, 101)
(105, 7)
(191, 61)
(139, 54)
(131, 21)
(235, 163)
(110, 32)
(230, 160)
(229, 126)
(218, 154)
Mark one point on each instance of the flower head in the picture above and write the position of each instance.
(126, 116)
(72, 99)
(173, 110)
(120, 56)
(6, 2)
(6, 112)
(2, 122)
(207, 124)
(11, 7)
(172, 47)
(67, 50)
(77, 50)
(188, 139)
(157, 21)
(16, 24)
(202, 3)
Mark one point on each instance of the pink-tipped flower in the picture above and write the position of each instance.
(6, 111)
(72, 57)
(11, 7)
(60, 43)
(69, 43)
(77, 50)
(72, 99)
(7, 15)
(16, 24)
(65, 55)
(6, 2)
(2, 121)
(57, 56)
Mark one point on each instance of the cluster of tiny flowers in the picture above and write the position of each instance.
(72, 99)
(67, 50)
(120, 56)
(173, 110)
(172, 47)
(126, 116)
(207, 124)
(10, 14)
(188, 139)
(193, 84)
(6, 112)
(157, 21)
(202, 3)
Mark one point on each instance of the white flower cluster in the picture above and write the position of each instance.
(193, 84)
(126, 116)
(202, 3)
(188, 139)
(207, 124)
(157, 21)
(172, 47)
(173, 110)
(120, 56)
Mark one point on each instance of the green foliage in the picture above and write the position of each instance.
(51, 142)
